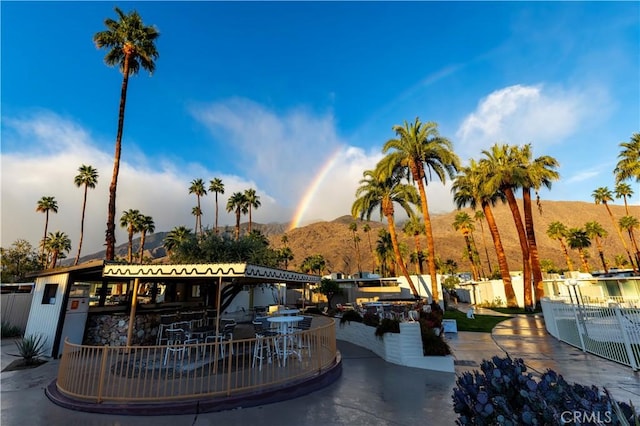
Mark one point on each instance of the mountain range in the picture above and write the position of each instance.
(335, 241)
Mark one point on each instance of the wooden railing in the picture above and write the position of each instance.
(134, 374)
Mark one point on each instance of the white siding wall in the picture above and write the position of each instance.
(15, 309)
(43, 318)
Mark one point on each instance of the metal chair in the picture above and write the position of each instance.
(265, 340)
(177, 344)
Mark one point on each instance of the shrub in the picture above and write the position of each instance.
(371, 319)
(9, 330)
(433, 344)
(350, 315)
(505, 393)
(31, 348)
(387, 325)
(314, 310)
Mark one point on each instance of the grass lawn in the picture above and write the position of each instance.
(481, 323)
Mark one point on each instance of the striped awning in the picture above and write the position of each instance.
(238, 272)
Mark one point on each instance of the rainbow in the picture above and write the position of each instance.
(301, 209)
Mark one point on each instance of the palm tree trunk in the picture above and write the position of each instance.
(237, 223)
(566, 254)
(601, 255)
(431, 257)
(216, 213)
(502, 258)
(44, 238)
(476, 257)
(524, 247)
(142, 238)
(418, 250)
(84, 206)
(396, 251)
(111, 215)
(632, 237)
(486, 250)
(583, 260)
(536, 269)
(130, 245)
(474, 270)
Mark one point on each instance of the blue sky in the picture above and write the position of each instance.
(265, 94)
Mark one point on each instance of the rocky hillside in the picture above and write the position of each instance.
(334, 240)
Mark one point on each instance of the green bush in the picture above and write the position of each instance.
(349, 316)
(9, 330)
(387, 325)
(31, 348)
(433, 344)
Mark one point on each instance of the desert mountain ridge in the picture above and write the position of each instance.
(334, 240)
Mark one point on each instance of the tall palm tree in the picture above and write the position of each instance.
(45, 205)
(504, 174)
(353, 227)
(236, 203)
(536, 173)
(414, 228)
(578, 239)
(596, 231)
(366, 228)
(464, 224)
(130, 45)
(88, 177)
(385, 253)
(629, 223)
(253, 202)
(175, 237)
(197, 188)
(217, 187)
(380, 189)
(145, 226)
(479, 217)
(470, 188)
(130, 220)
(419, 148)
(624, 191)
(558, 231)
(57, 244)
(628, 166)
(602, 196)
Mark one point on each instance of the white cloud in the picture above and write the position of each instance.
(522, 114)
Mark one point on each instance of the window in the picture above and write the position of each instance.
(49, 296)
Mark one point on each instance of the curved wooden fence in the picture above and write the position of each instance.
(135, 374)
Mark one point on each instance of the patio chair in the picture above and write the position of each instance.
(265, 345)
(304, 339)
(177, 344)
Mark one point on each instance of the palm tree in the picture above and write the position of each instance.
(130, 220)
(628, 166)
(57, 244)
(385, 253)
(197, 188)
(470, 188)
(353, 227)
(216, 186)
(145, 225)
(175, 237)
(419, 148)
(479, 217)
(464, 224)
(87, 177)
(236, 203)
(558, 231)
(414, 228)
(366, 228)
(45, 205)
(503, 175)
(624, 191)
(253, 201)
(285, 255)
(578, 239)
(630, 223)
(603, 195)
(130, 45)
(381, 188)
(596, 231)
(535, 174)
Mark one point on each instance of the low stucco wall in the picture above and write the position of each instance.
(404, 348)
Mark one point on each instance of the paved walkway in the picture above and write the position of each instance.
(370, 391)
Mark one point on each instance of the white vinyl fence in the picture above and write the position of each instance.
(15, 309)
(610, 330)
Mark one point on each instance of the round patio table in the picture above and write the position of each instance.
(284, 323)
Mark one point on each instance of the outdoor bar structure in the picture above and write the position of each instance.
(131, 355)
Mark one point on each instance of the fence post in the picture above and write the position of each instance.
(625, 337)
(103, 368)
(578, 322)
